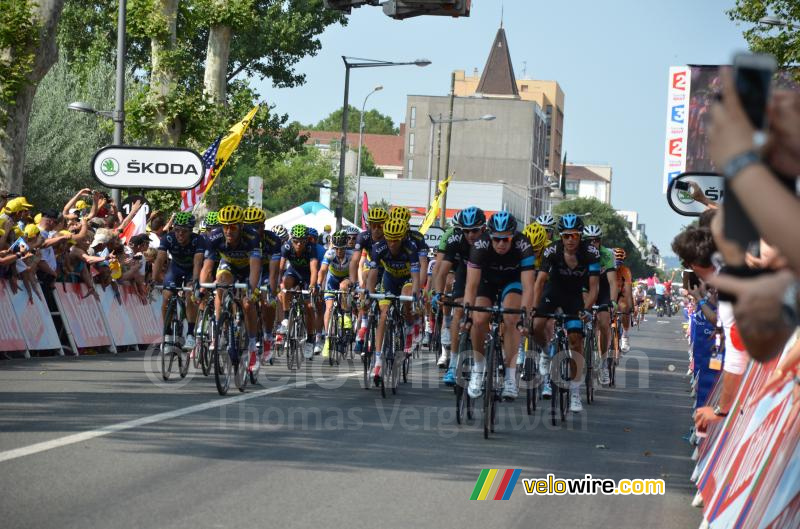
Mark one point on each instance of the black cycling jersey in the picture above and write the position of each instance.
(300, 262)
(561, 275)
(497, 268)
(456, 249)
(183, 256)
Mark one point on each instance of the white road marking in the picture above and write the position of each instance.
(143, 421)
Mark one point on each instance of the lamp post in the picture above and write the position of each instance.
(434, 122)
(118, 114)
(349, 63)
(360, 143)
(776, 22)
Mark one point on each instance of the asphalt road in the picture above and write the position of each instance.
(95, 442)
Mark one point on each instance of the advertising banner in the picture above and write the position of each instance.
(11, 338)
(34, 318)
(677, 123)
(82, 314)
(144, 321)
(117, 316)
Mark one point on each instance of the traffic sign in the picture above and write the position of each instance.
(147, 167)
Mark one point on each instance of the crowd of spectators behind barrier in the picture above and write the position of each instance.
(83, 243)
(753, 294)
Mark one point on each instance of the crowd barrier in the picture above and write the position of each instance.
(748, 465)
(113, 319)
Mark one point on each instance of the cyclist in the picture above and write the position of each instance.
(186, 250)
(625, 297)
(299, 260)
(237, 250)
(376, 217)
(254, 217)
(548, 223)
(313, 239)
(352, 233)
(607, 295)
(454, 255)
(539, 238)
(334, 273)
(398, 258)
(500, 269)
(661, 295)
(447, 317)
(559, 284)
(404, 214)
(280, 231)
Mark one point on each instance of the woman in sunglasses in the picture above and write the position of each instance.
(562, 275)
(500, 268)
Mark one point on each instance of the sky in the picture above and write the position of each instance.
(611, 59)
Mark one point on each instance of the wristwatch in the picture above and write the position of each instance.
(789, 308)
(718, 412)
(739, 162)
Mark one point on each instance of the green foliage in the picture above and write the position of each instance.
(368, 166)
(374, 122)
(288, 183)
(18, 34)
(783, 42)
(613, 225)
(60, 142)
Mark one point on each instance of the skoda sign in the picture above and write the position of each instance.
(147, 167)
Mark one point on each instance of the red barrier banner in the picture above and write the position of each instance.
(11, 337)
(82, 315)
(116, 315)
(143, 321)
(34, 318)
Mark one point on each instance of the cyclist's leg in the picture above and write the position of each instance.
(290, 281)
(511, 298)
(224, 277)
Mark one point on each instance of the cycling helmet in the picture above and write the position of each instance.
(352, 230)
(299, 231)
(456, 221)
(280, 231)
(254, 215)
(592, 231)
(546, 220)
(619, 254)
(377, 215)
(394, 229)
(570, 221)
(537, 235)
(231, 214)
(340, 239)
(502, 221)
(400, 212)
(184, 219)
(312, 232)
(471, 217)
(212, 219)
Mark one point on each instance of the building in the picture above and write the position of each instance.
(588, 181)
(511, 149)
(636, 230)
(386, 149)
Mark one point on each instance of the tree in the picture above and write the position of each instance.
(784, 42)
(368, 166)
(27, 51)
(614, 229)
(374, 122)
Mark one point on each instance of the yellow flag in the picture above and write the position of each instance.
(229, 144)
(433, 210)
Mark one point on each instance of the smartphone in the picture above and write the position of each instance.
(752, 73)
(690, 279)
(682, 186)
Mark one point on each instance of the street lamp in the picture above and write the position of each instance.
(434, 122)
(118, 114)
(360, 142)
(776, 21)
(349, 63)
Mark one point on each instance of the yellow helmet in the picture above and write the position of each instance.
(400, 212)
(231, 214)
(394, 229)
(254, 215)
(377, 215)
(537, 235)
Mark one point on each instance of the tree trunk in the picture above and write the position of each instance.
(162, 77)
(215, 81)
(14, 132)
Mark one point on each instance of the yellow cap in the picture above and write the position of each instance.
(15, 205)
(81, 204)
(327, 228)
(31, 231)
(37, 219)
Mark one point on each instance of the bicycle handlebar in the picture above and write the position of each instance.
(390, 296)
(214, 286)
(162, 287)
(494, 310)
(294, 290)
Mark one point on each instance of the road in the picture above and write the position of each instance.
(321, 450)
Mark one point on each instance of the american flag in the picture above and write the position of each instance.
(191, 197)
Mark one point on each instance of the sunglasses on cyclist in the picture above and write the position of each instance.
(501, 238)
(471, 230)
(570, 236)
(298, 241)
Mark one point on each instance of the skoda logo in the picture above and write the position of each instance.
(685, 197)
(109, 167)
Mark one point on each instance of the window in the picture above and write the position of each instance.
(413, 121)
(572, 187)
(411, 144)
(411, 168)
(523, 88)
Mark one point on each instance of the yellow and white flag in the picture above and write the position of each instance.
(436, 205)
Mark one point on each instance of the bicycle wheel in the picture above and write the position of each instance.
(167, 342)
(222, 361)
(488, 390)
(528, 369)
(368, 352)
(387, 347)
(241, 351)
(397, 351)
(563, 392)
(290, 342)
(588, 354)
(204, 341)
(332, 338)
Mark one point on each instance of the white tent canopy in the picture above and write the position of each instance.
(312, 214)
